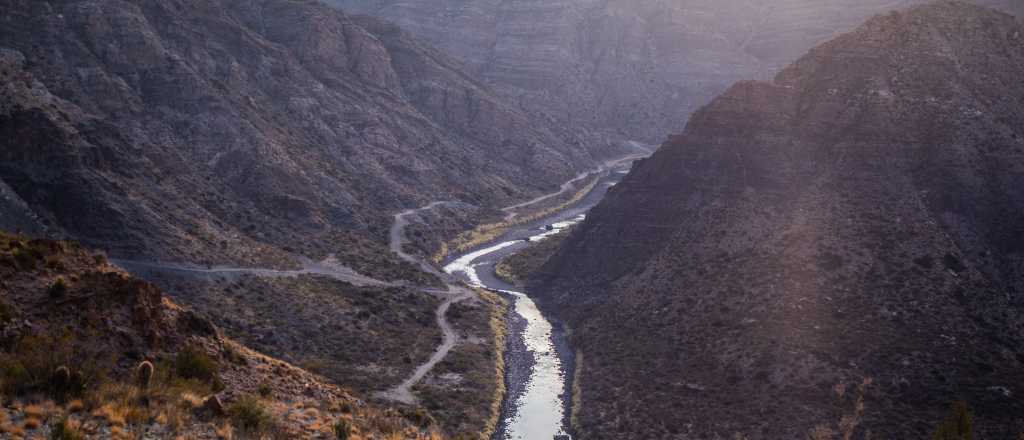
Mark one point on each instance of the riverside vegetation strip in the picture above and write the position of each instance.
(485, 233)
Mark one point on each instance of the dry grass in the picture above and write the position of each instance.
(35, 411)
(169, 401)
(249, 414)
(9, 428)
(577, 391)
(100, 399)
(499, 309)
(848, 422)
(225, 432)
(67, 429)
(32, 423)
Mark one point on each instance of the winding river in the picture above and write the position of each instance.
(538, 360)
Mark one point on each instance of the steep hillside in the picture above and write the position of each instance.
(87, 349)
(857, 221)
(228, 130)
(636, 68)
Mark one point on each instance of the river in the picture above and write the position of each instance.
(538, 359)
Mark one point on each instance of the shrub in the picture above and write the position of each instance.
(26, 258)
(15, 378)
(959, 424)
(32, 363)
(66, 430)
(233, 355)
(7, 313)
(59, 288)
(248, 414)
(342, 429)
(421, 417)
(8, 261)
(54, 262)
(264, 390)
(194, 363)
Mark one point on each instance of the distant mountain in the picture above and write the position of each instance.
(861, 216)
(636, 68)
(212, 130)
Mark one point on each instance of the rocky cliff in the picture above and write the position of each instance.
(838, 249)
(205, 130)
(636, 68)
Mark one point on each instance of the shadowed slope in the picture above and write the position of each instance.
(860, 216)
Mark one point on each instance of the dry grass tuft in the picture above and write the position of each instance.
(849, 421)
(225, 432)
(67, 429)
(32, 423)
(14, 431)
(75, 406)
(35, 411)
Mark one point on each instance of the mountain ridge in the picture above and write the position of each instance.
(211, 114)
(632, 69)
(857, 218)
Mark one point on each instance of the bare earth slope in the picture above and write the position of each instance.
(212, 130)
(861, 216)
(635, 68)
(64, 307)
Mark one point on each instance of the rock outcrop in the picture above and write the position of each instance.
(205, 130)
(859, 217)
(635, 68)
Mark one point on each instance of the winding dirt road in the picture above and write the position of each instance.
(397, 240)
(455, 293)
(510, 210)
(403, 392)
(323, 268)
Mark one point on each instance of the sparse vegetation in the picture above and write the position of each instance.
(59, 288)
(516, 268)
(193, 363)
(851, 418)
(25, 258)
(959, 424)
(464, 391)
(487, 232)
(66, 429)
(249, 415)
(499, 310)
(7, 313)
(264, 390)
(54, 262)
(342, 429)
(70, 376)
(37, 364)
